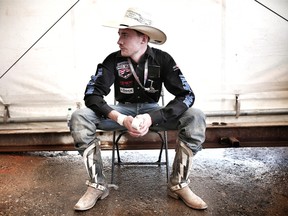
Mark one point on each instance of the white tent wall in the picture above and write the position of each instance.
(224, 48)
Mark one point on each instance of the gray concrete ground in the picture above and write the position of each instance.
(240, 181)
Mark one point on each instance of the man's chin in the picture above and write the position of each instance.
(124, 54)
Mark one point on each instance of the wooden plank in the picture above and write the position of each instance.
(52, 137)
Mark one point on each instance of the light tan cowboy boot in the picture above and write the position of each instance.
(178, 185)
(97, 188)
(93, 193)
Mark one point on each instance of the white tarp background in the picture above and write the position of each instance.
(223, 47)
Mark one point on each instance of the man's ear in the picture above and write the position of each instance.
(146, 38)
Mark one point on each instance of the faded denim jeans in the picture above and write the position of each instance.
(191, 125)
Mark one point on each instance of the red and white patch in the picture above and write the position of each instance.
(124, 70)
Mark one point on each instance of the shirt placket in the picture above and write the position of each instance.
(139, 72)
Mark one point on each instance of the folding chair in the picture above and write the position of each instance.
(164, 145)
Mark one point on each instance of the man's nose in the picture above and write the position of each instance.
(119, 41)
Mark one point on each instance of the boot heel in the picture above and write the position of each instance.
(105, 194)
(172, 194)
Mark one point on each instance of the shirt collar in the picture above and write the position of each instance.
(149, 52)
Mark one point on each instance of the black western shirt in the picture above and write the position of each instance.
(162, 69)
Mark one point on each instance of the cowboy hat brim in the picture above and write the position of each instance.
(156, 35)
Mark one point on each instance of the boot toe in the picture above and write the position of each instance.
(189, 198)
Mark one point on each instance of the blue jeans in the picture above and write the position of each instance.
(191, 125)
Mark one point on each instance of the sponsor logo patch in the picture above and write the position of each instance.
(127, 90)
(127, 83)
(123, 70)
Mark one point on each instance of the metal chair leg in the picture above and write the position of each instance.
(166, 154)
(113, 158)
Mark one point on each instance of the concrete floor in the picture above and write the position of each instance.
(239, 181)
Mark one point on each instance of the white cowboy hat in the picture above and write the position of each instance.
(140, 21)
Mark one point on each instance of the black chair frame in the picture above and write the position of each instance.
(164, 146)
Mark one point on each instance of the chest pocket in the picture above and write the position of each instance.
(153, 78)
(153, 72)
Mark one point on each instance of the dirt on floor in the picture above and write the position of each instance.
(238, 181)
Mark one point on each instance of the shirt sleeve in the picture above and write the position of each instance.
(98, 87)
(177, 85)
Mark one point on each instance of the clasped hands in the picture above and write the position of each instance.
(139, 125)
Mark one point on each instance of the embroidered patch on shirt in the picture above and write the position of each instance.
(127, 90)
(126, 83)
(123, 70)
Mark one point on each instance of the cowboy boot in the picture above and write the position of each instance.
(97, 188)
(178, 185)
(93, 193)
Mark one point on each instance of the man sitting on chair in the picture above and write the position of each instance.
(138, 72)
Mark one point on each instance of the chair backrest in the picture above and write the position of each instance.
(162, 97)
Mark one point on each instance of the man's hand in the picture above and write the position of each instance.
(127, 122)
(141, 123)
(137, 127)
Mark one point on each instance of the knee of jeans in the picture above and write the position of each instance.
(83, 118)
(193, 117)
(76, 115)
(83, 136)
(197, 113)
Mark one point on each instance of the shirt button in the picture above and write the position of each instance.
(138, 97)
(138, 87)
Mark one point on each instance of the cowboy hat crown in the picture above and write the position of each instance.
(140, 21)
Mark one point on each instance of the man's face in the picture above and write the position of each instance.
(130, 42)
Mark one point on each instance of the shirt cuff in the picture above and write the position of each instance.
(156, 117)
